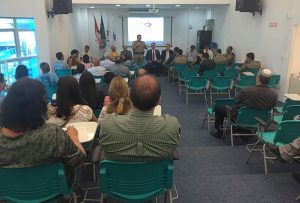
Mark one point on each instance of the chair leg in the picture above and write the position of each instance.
(168, 197)
(265, 159)
(204, 119)
(252, 151)
(231, 135)
(210, 96)
(187, 97)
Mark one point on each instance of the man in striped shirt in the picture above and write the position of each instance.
(139, 135)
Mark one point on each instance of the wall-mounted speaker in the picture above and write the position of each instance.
(62, 6)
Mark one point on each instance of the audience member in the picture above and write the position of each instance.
(97, 71)
(113, 53)
(47, 78)
(199, 58)
(119, 69)
(210, 52)
(107, 78)
(153, 65)
(179, 58)
(60, 64)
(25, 139)
(166, 54)
(86, 61)
(157, 139)
(138, 48)
(21, 71)
(86, 51)
(250, 63)
(219, 58)
(75, 57)
(93, 95)
(79, 70)
(191, 54)
(230, 56)
(107, 63)
(70, 62)
(119, 101)
(141, 72)
(206, 64)
(257, 97)
(3, 85)
(126, 55)
(70, 105)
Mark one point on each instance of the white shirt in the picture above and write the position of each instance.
(97, 70)
(210, 53)
(107, 63)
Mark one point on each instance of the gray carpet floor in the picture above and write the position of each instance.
(210, 170)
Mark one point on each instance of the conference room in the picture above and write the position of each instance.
(149, 101)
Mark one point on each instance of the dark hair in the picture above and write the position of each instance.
(153, 43)
(180, 52)
(21, 71)
(89, 91)
(86, 58)
(251, 55)
(145, 92)
(205, 55)
(176, 49)
(219, 51)
(74, 51)
(59, 55)
(107, 78)
(25, 106)
(44, 67)
(80, 68)
(86, 46)
(2, 79)
(193, 47)
(68, 95)
(230, 47)
(139, 35)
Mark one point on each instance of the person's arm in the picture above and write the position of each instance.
(73, 134)
(135, 45)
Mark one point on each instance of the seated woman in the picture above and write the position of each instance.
(26, 140)
(3, 85)
(21, 71)
(119, 98)
(86, 61)
(93, 95)
(70, 106)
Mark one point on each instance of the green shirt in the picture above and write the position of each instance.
(44, 145)
(139, 136)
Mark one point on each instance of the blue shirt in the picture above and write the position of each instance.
(60, 65)
(48, 79)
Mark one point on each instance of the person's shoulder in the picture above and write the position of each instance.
(166, 119)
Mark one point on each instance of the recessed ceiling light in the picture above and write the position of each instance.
(148, 5)
(177, 5)
(118, 5)
(92, 7)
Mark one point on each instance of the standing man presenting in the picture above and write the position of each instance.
(138, 48)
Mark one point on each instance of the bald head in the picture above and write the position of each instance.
(145, 92)
(141, 72)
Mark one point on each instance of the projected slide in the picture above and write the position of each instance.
(151, 29)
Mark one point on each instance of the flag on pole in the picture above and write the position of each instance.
(97, 32)
(102, 33)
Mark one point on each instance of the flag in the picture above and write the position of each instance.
(97, 32)
(102, 33)
(111, 36)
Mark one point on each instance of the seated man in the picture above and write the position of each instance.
(258, 97)
(206, 64)
(230, 56)
(210, 52)
(47, 78)
(139, 135)
(153, 59)
(119, 69)
(126, 55)
(106, 63)
(166, 54)
(191, 54)
(60, 64)
(113, 54)
(250, 63)
(219, 58)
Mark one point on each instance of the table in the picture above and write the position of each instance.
(132, 72)
(86, 130)
(294, 97)
(98, 80)
(157, 110)
(248, 73)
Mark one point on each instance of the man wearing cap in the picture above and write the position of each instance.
(259, 96)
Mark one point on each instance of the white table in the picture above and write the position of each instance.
(294, 97)
(86, 130)
(132, 72)
(157, 110)
(98, 81)
(248, 73)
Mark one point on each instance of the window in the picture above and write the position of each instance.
(17, 46)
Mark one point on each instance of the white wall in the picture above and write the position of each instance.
(33, 9)
(247, 33)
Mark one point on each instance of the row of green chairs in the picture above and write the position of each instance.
(125, 181)
(62, 73)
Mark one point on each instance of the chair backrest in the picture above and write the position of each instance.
(211, 74)
(287, 132)
(50, 90)
(247, 81)
(253, 70)
(222, 82)
(135, 181)
(220, 68)
(62, 73)
(34, 184)
(223, 102)
(290, 112)
(187, 74)
(198, 82)
(289, 102)
(232, 72)
(246, 116)
(274, 81)
(179, 68)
